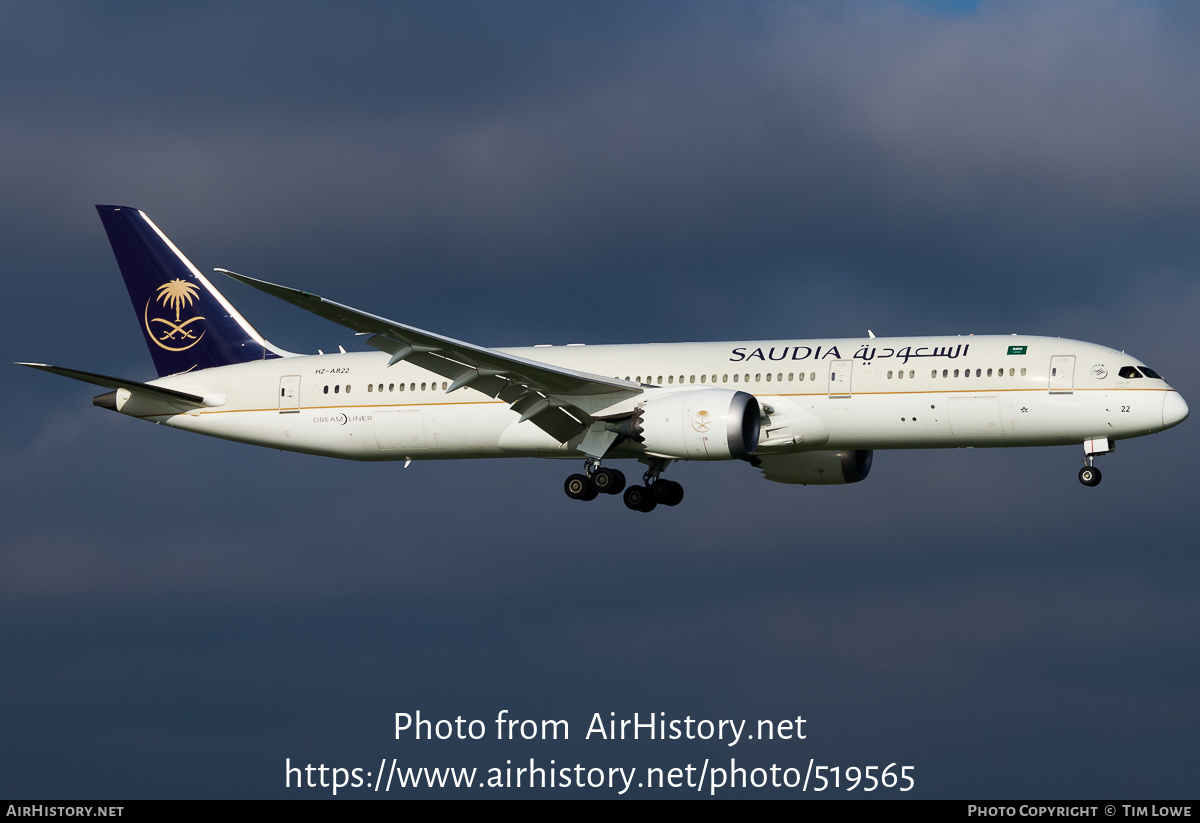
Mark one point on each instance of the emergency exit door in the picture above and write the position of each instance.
(1062, 374)
(289, 394)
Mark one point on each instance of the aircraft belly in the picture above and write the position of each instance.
(328, 432)
(997, 419)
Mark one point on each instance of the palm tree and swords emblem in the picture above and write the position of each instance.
(174, 295)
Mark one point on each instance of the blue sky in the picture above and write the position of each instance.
(180, 615)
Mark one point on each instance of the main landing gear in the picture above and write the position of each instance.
(596, 481)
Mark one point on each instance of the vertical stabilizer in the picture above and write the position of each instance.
(188, 324)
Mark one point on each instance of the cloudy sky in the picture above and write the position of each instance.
(179, 616)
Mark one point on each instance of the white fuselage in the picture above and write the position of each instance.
(893, 393)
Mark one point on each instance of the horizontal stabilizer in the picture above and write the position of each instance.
(119, 383)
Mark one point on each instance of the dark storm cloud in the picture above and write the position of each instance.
(786, 141)
(512, 174)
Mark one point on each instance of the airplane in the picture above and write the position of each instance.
(809, 412)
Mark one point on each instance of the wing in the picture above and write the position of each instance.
(558, 400)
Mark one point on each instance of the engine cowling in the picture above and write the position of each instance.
(818, 468)
(701, 424)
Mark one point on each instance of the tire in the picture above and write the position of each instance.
(579, 486)
(1089, 476)
(608, 481)
(674, 494)
(667, 492)
(638, 498)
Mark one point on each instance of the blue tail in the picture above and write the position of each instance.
(188, 324)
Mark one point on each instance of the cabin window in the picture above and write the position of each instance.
(801, 377)
(422, 387)
(768, 377)
(670, 379)
(989, 372)
(956, 372)
(337, 389)
(370, 387)
(702, 377)
(735, 378)
(347, 388)
(714, 378)
(757, 378)
(1022, 372)
(889, 375)
(692, 379)
(979, 372)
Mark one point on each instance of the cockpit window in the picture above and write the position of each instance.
(1151, 373)
(1129, 373)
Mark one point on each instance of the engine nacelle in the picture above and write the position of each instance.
(818, 468)
(701, 424)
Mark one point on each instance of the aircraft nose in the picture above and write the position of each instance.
(1175, 410)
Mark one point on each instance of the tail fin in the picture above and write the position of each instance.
(187, 323)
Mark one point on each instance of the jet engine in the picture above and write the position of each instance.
(702, 424)
(818, 468)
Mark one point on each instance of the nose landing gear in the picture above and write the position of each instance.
(1089, 475)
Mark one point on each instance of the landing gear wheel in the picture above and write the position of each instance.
(639, 499)
(608, 481)
(580, 487)
(1089, 476)
(667, 492)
